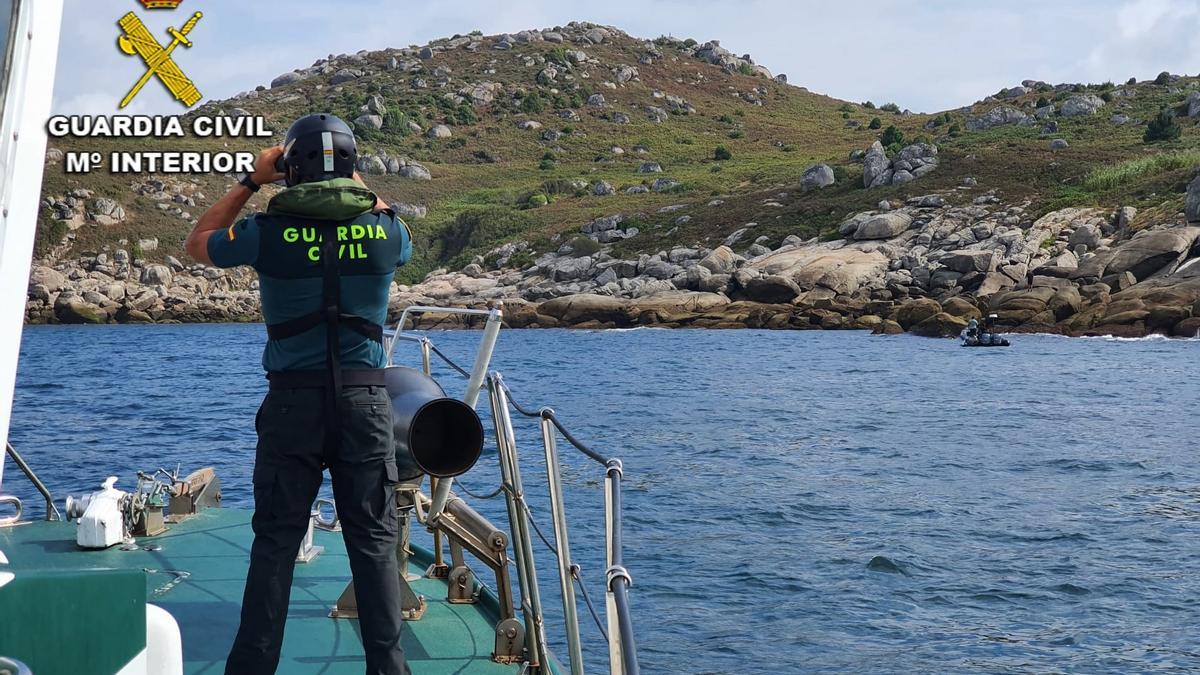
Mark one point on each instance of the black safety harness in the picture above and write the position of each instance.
(333, 378)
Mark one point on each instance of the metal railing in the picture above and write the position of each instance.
(439, 517)
(51, 510)
(622, 646)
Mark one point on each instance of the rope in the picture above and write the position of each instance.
(572, 568)
(546, 413)
(177, 577)
(448, 361)
(587, 600)
(491, 495)
(537, 529)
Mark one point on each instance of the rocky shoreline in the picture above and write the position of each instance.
(926, 264)
(925, 267)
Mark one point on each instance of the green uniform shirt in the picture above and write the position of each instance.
(284, 245)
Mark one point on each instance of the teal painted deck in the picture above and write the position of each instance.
(214, 547)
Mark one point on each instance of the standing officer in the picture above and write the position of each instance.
(325, 251)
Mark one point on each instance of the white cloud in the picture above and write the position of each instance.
(926, 56)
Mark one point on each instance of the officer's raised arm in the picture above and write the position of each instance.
(222, 214)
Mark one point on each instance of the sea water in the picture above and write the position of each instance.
(794, 501)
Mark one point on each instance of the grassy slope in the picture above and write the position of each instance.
(771, 145)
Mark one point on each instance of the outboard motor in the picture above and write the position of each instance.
(437, 435)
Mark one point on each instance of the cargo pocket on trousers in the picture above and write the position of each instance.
(390, 478)
(265, 482)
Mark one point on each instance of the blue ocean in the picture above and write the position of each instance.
(795, 501)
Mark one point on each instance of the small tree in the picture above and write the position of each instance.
(395, 121)
(876, 123)
(558, 55)
(722, 153)
(1042, 102)
(1163, 127)
(582, 246)
(892, 136)
(890, 107)
(532, 103)
(463, 115)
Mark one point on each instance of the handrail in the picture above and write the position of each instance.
(51, 510)
(11, 665)
(619, 635)
(562, 547)
(518, 515)
(548, 413)
(623, 650)
(622, 646)
(10, 500)
(425, 309)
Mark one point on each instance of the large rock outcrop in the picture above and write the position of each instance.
(909, 164)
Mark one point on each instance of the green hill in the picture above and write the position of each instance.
(532, 123)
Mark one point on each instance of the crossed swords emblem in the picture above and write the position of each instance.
(137, 40)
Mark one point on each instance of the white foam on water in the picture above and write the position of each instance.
(628, 330)
(1145, 338)
(1156, 337)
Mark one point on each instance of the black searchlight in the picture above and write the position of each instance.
(434, 434)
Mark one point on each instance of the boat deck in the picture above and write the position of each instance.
(213, 548)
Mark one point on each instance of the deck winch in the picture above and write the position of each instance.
(434, 434)
(110, 516)
(101, 516)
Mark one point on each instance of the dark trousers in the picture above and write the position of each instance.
(292, 452)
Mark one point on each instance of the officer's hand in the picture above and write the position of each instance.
(264, 167)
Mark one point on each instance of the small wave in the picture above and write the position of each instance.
(1001, 595)
(881, 563)
(1043, 538)
(1075, 464)
(42, 386)
(1070, 589)
(1174, 512)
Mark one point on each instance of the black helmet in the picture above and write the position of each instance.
(318, 147)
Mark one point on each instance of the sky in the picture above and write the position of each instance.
(927, 56)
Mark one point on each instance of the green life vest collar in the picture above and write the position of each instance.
(337, 199)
